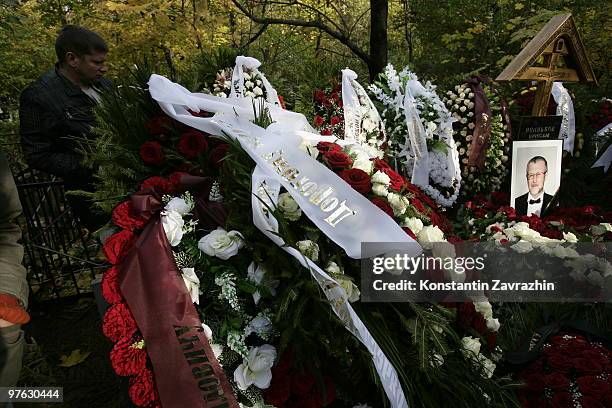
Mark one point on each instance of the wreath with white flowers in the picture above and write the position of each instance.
(444, 171)
(460, 101)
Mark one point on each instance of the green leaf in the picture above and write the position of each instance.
(74, 358)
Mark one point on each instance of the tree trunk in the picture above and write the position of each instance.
(379, 10)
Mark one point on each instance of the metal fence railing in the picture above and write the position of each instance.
(59, 253)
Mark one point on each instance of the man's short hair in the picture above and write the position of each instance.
(78, 40)
(538, 158)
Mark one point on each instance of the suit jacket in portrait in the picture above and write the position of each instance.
(520, 204)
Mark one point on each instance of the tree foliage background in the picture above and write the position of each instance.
(442, 40)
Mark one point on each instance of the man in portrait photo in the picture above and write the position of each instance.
(536, 200)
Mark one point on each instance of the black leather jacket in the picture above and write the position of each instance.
(51, 111)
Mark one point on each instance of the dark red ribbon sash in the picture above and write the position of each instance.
(187, 374)
(482, 129)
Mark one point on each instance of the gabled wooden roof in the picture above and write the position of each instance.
(560, 26)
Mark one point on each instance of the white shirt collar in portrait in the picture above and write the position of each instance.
(535, 208)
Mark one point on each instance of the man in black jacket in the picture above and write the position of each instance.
(58, 107)
(536, 200)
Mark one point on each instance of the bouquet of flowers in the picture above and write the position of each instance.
(329, 115)
(252, 81)
(571, 371)
(461, 102)
(444, 173)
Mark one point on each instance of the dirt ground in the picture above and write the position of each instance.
(57, 329)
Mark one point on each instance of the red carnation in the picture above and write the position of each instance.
(279, 391)
(397, 181)
(127, 360)
(326, 147)
(358, 179)
(151, 153)
(158, 125)
(479, 323)
(319, 96)
(593, 386)
(160, 184)
(116, 246)
(380, 164)
(318, 121)
(466, 313)
(418, 205)
(508, 211)
(123, 217)
(326, 132)
(217, 155)
(302, 383)
(337, 160)
(562, 400)
(383, 205)
(110, 286)
(560, 362)
(334, 120)
(556, 381)
(175, 178)
(142, 390)
(192, 144)
(118, 322)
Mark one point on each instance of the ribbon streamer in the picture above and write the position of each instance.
(565, 108)
(416, 135)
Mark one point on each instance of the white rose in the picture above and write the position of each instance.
(249, 84)
(363, 164)
(470, 346)
(431, 127)
(368, 125)
(333, 268)
(179, 205)
(428, 235)
(352, 291)
(260, 325)
(256, 368)
(221, 243)
(173, 223)
(257, 274)
(207, 331)
(289, 207)
(398, 203)
(380, 190)
(493, 324)
(257, 91)
(309, 249)
(484, 308)
(414, 224)
(246, 76)
(381, 178)
(193, 284)
(569, 237)
(522, 247)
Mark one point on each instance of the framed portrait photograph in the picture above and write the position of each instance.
(536, 175)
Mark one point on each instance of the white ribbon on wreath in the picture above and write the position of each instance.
(360, 115)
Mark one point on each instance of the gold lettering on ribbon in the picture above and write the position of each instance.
(321, 196)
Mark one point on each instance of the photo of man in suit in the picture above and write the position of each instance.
(536, 200)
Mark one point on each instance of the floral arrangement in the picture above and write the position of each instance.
(461, 103)
(329, 114)
(602, 116)
(253, 84)
(265, 317)
(391, 90)
(571, 372)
